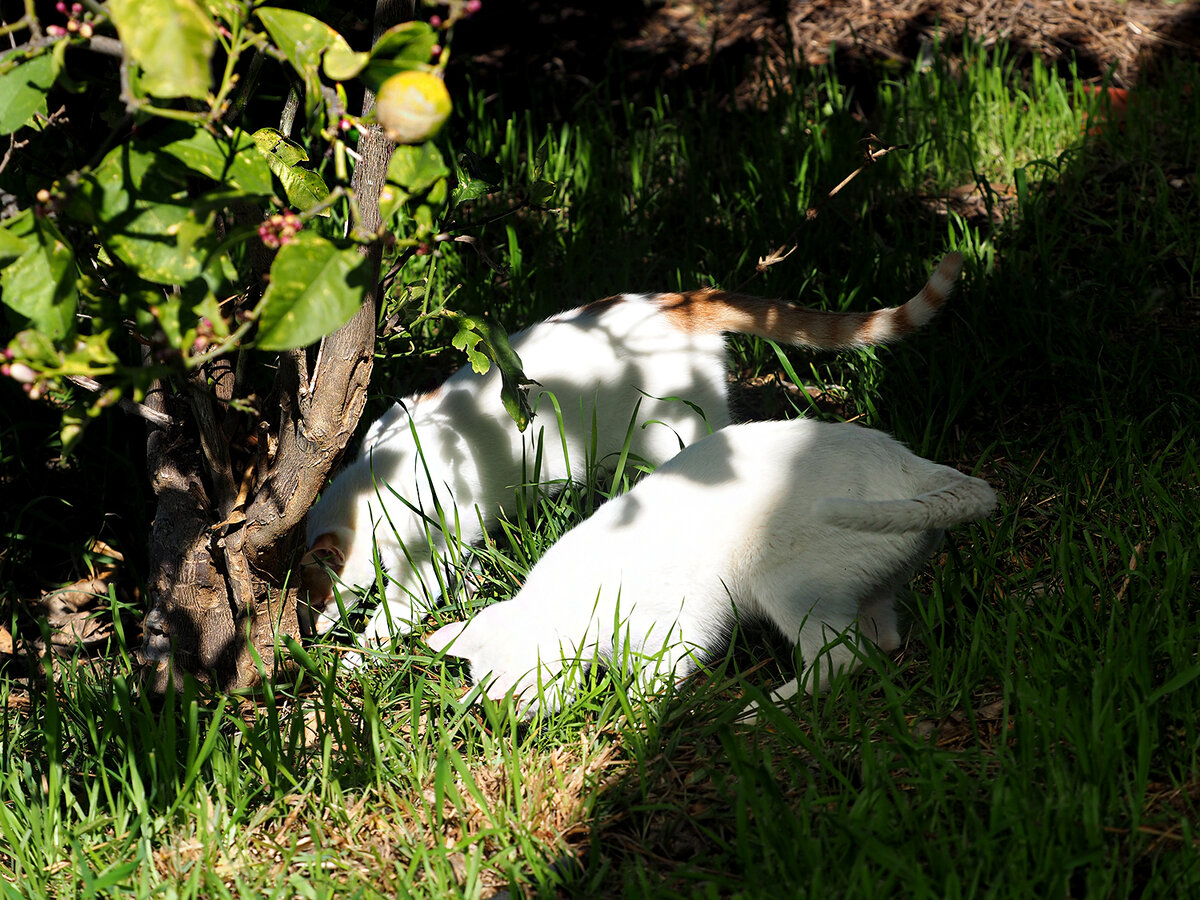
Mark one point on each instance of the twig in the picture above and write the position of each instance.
(810, 214)
(1134, 560)
(474, 244)
(106, 46)
(872, 157)
(13, 144)
(162, 420)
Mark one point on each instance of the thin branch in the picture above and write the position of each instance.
(105, 45)
(161, 419)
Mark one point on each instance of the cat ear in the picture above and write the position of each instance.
(444, 636)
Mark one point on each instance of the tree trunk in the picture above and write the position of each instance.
(224, 543)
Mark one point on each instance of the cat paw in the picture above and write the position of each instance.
(445, 636)
(499, 668)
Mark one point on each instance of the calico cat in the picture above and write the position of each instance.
(450, 458)
(811, 526)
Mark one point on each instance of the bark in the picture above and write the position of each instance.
(227, 532)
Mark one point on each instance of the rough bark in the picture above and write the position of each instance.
(226, 532)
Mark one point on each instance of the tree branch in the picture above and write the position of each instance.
(314, 431)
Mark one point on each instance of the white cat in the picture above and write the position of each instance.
(811, 526)
(600, 362)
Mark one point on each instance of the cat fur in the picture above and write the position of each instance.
(810, 526)
(600, 362)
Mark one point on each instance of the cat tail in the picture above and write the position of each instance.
(961, 500)
(711, 310)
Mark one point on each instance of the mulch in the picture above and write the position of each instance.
(543, 48)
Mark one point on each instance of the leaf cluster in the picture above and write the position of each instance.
(213, 209)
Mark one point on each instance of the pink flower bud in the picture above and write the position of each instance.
(76, 8)
(85, 29)
(22, 373)
(435, 21)
(8, 353)
(435, 51)
(72, 25)
(473, 6)
(61, 7)
(55, 30)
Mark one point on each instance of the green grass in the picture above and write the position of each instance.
(1037, 737)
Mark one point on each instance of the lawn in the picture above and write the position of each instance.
(1037, 736)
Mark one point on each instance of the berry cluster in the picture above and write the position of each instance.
(206, 335)
(31, 381)
(468, 9)
(280, 229)
(77, 21)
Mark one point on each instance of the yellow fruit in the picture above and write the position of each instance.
(412, 106)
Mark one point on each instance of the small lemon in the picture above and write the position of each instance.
(412, 106)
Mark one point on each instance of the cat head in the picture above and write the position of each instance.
(339, 551)
(324, 561)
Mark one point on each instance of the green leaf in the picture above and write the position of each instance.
(40, 283)
(11, 246)
(416, 167)
(316, 286)
(231, 11)
(23, 91)
(90, 351)
(413, 169)
(342, 64)
(172, 41)
(302, 40)
(304, 188)
(471, 190)
(148, 242)
(474, 331)
(275, 145)
(234, 162)
(169, 309)
(210, 308)
(35, 347)
(467, 340)
(131, 199)
(476, 166)
(405, 47)
(541, 191)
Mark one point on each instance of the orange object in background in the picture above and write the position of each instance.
(1114, 106)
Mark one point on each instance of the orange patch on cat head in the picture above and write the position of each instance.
(316, 584)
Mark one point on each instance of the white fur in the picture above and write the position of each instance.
(473, 455)
(600, 362)
(807, 525)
